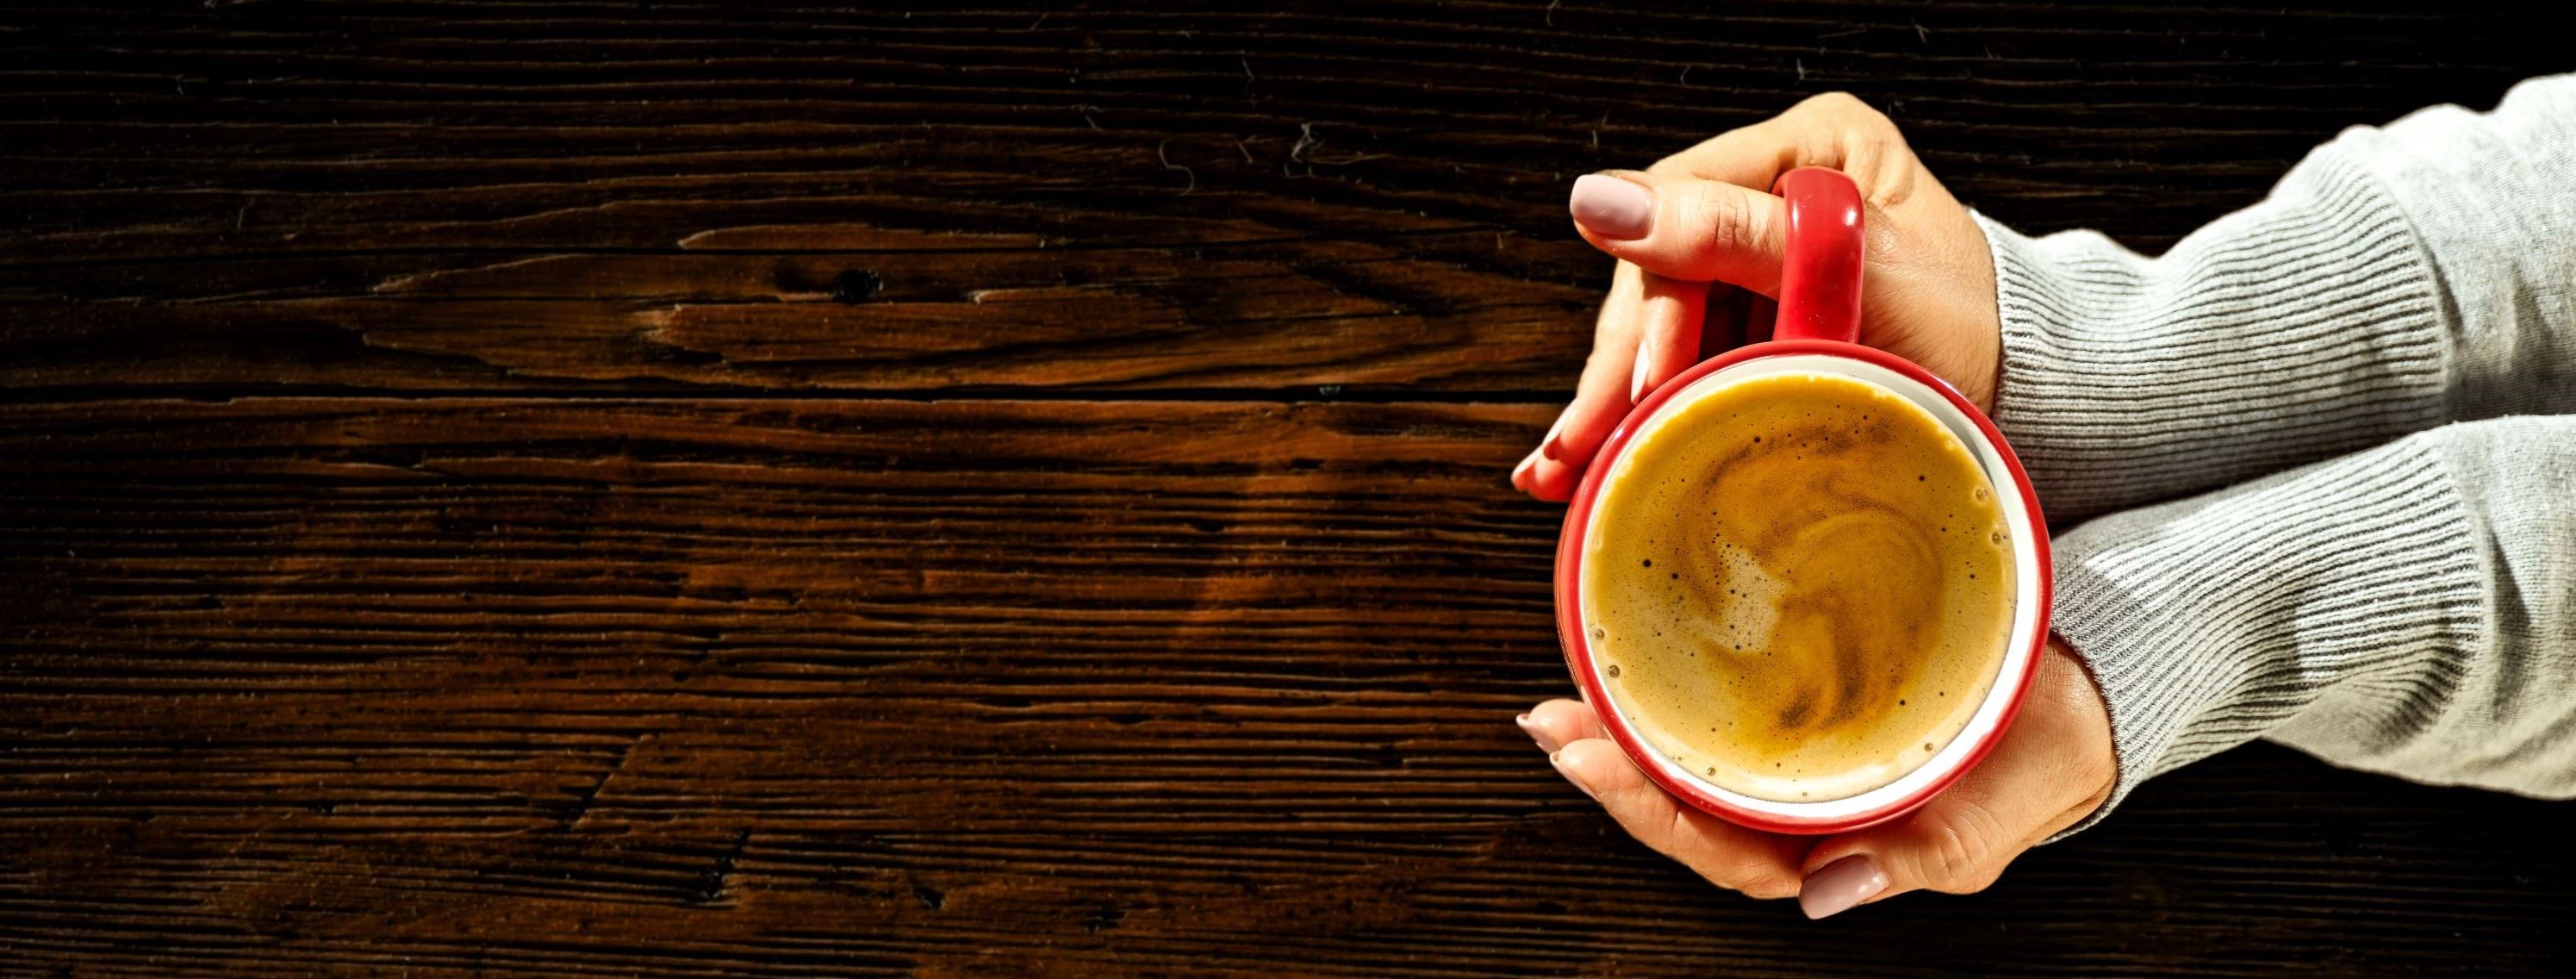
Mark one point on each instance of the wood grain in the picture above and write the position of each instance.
(754, 688)
(581, 196)
(670, 489)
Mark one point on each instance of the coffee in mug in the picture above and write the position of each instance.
(1805, 584)
(1801, 587)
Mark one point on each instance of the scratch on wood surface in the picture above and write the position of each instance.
(711, 884)
(583, 801)
(1160, 154)
(1308, 143)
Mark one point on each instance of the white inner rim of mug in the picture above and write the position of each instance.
(2019, 654)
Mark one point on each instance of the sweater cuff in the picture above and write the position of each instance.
(2210, 621)
(2127, 379)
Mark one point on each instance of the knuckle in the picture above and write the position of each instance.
(1835, 104)
(1862, 123)
(1669, 832)
(1677, 836)
(1875, 153)
(1861, 113)
(1731, 221)
(1879, 146)
(1878, 160)
(2094, 770)
(1954, 854)
(1961, 856)
(1769, 886)
(1644, 814)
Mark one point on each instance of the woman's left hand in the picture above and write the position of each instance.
(1698, 226)
(2053, 768)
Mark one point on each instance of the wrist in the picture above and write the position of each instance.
(2213, 621)
(2092, 763)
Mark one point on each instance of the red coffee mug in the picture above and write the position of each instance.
(1816, 333)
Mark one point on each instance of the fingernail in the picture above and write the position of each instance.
(1537, 733)
(1520, 473)
(1840, 885)
(1611, 207)
(1547, 444)
(1557, 758)
(1637, 378)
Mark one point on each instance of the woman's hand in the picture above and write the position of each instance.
(2053, 768)
(1698, 229)
(1695, 234)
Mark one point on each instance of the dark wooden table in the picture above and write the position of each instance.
(598, 488)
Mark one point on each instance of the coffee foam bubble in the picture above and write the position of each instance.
(1751, 610)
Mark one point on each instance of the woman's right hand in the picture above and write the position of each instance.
(1700, 227)
(2054, 766)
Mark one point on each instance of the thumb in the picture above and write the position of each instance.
(2052, 768)
(1683, 227)
(1956, 844)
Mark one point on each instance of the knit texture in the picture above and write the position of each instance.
(2409, 608)
(2212, 621)
(2279, 335)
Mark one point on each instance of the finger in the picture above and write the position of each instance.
(1560, 722)
(1759, 864)
(1670, 321)
(1600, 398)
(1953, 844)
(1829, 130)
(2026, 790)
(1683, 227)
(1753, 156)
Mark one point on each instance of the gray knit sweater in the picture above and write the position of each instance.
(2404, 606)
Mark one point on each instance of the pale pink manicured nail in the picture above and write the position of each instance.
(1537, 733)
(1557, 758)
(1637, 378)
(1840, 885)
(1611, 207)
(1520, 473)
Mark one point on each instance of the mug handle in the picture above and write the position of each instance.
(1820, 266)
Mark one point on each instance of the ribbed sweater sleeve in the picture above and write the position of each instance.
(2396, 279)
(2403, 609)
(2410, 610)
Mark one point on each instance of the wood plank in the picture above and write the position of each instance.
(767, 687)
(575, 197)
(778, 658)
